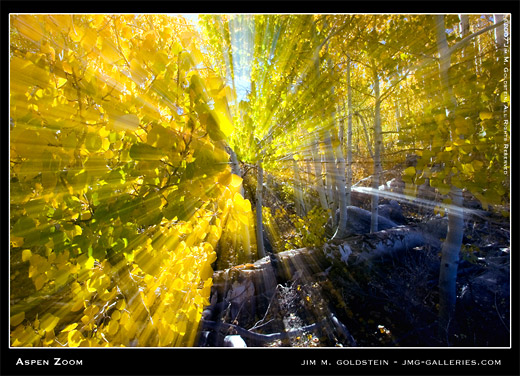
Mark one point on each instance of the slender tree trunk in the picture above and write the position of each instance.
(450, 261)
(444, 63)
(349, 135)
(464, 23)
(378, 145)
(349, 155)
(259, 220)
(499, 36)
(318, 171)
(235, 166)
(367, 137)
(341, 189)
(452, 244)
(331, 177)
(397, 116)
(308, 172)
(298, 194)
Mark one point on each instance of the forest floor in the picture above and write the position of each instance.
(393, 302)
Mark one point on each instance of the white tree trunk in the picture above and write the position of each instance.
(319, 173)
(397, 116)
(464, 25)
(452, 244)
(450, 260)
(378, 145)
(499, 32)
(307, 199)
(259, 220)
(365, 130)
(331, 177)
(349, 135)
(299, 205)
(341, 189)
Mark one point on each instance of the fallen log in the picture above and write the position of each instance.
(378, 245)
(313, 262)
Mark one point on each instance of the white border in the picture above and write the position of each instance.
(508, 42)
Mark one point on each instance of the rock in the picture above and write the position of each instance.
(393, 212)
(434, 230)
(240, 294)
(234, 341)
(358, 221)
(396, 185)
(361, 200)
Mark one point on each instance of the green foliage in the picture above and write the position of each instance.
(309, 230)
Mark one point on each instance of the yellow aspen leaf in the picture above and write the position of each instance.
(485, 115)
(110, 52)
(75, 338)
(32, 271)
(236, 181)
(17, 318)
(186, 38)
(26, 254)
(16, 241)
(90, 263)
(113, 327)
(75, 33)
(70, 327)
(477, 165)
(124, 319)
(225, 178)
(504, 97)
(85, 215)
(39, 281)
(89, 39)
(66, 67)
(181, 327)
(149, 40)
(240, 203)
(48, 322)
(116, 315)
(85, 319)
(126, 32)
(47, 49)
(103, 132)
(166, 336)
(178, 284)
(224, 122)
(98, 20)
(410, 171)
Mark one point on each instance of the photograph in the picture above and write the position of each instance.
(194, 183)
